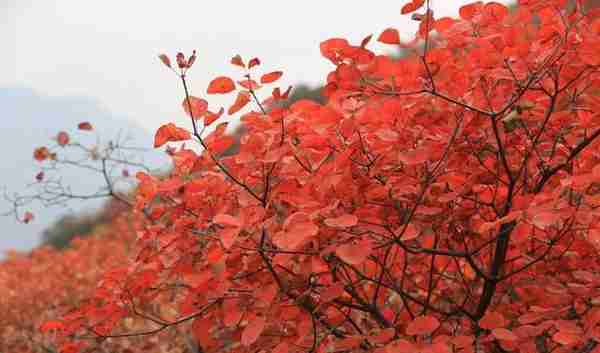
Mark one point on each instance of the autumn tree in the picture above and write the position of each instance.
(443, 202)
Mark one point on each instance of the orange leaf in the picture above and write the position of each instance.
(199, 106)
(343, 221)
(253, 330)
(422, 325)
(271, 77)
(170, 133)
(41, 153)
(242, 99)
(389, 36)
(221, 85)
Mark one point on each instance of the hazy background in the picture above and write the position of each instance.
(66, 61)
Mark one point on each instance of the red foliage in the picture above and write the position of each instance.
(447, 201)
(47, 283)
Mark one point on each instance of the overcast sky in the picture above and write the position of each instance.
(107, 50)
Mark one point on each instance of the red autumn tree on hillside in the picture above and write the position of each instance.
(447, 201)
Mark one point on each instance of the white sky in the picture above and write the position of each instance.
(107, 49)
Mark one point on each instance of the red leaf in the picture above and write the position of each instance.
(242, 99)
(343, 221)
(271, 77)
(389, 36)
(181, 63)
(220, 144)
(467, 12)
(410, 233)
(165, 60)
(249, 84)
(210, 117)
(566, 338)
(366, 41)
(348, 343)
(199, 106)
(544, 219)
(228, 236)
(227, 220)
(495, 10)
(253, 62)
(221, 85)
(170, 133)
(252, 332)
(354, 254)
(422, 325)
(201, 330)
(412, 6)
(443, 24)
(492, 320)
(504, 334)
(51, 325)
(62, 138)
(28, 217)
(84, 126)
(282, 347)
(408, 8)
(237, 60)
(331, 48)
(191, 60)
(332, 292)
(231, 312)
(401, 346)
(297, 235)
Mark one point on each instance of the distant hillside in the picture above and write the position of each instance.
(30, 120)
